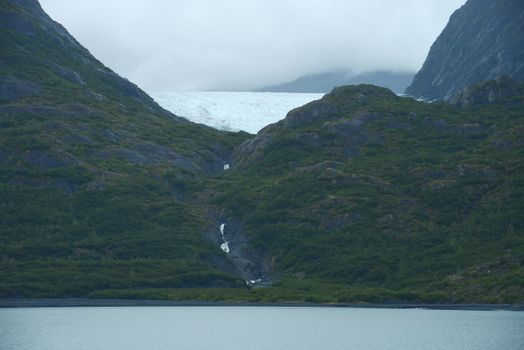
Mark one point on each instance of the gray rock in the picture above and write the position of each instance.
(97, 96)
(149, 153)
(366, 117)
(45, 160)
(342, 101)
(429, 173)
(54, 125)
(14, 89)
(65, 73)
(158, 154)
(30, 110)
(110, 135)
(482, 40)
(353, 125)
(340, 221)
(327, 164)
(492, 91)
(74, 111)
(502, 144)
(125, 154)
(26, 17)
(313, 112)
(344, 126)
(466, 170)
(439, 124)
(386, 219)
(472, 130)
(64, 185)
(76, 139)
(395, 124)
(438, 185)
(13, 21)
(312, 139)
(249, 263)
(253, 148)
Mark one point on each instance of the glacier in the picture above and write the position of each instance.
(233, 111)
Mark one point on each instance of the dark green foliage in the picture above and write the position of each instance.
(376, 199)
(430, 192)
(95, 177)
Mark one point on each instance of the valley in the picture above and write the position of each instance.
(360, 196)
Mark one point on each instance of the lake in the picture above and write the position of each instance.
(233, 111)
(271, 328)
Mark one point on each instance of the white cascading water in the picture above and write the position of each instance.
(224, 246)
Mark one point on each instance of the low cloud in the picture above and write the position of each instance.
(167, 45)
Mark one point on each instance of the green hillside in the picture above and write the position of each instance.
(93, 173)
(367, 189)
(362, 196)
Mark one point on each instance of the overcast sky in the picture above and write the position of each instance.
(166, 45)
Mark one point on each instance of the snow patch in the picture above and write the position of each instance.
(253, 282)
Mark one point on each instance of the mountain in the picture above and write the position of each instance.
(483, 39)
(325, 82)
(362, 196)
(94, 174)
(390, 197)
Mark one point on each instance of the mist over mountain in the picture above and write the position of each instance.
(323, 83)
(483, 39)
(235, 45)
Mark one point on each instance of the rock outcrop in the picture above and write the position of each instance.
(326, 112)
(488, 92)
(26, 19)
(483, 39)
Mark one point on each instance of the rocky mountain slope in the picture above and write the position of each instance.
(93, 173)
(483, 39)
(501, 89)
(372, 190)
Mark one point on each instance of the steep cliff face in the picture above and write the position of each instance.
(483, 39)
(31, 39)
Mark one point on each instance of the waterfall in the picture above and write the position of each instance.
(224, 246)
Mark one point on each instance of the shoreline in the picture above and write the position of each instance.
(82, 302)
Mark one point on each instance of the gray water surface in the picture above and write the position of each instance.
(270, 328)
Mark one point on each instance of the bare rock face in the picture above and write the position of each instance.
(351, 100)
(13, 21)
(488, 92)
(26, 18)
(13, 88)
(313, 112)
(483, 39)
(66, 73)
